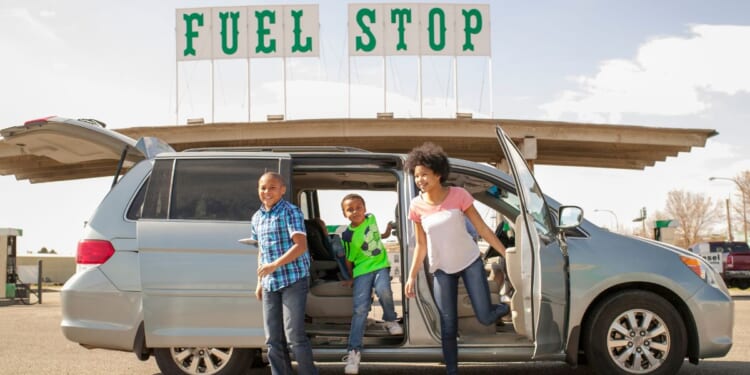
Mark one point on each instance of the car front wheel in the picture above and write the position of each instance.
(635, 332)
(203, 360)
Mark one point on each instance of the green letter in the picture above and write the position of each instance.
(189, 33)
(262, 31)
(398, 15)
(224, 15)
(468, 30)
(440, 44)
(362, 13)
(298, 47)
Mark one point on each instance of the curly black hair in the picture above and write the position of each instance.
(431, 156)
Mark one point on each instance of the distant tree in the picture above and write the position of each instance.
(695, 212)
(53, 251)
(43, 250)
(743, 180)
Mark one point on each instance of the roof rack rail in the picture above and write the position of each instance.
(93, 121)
(281, 149)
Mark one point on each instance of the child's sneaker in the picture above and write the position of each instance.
(394, 328)
(352, 363)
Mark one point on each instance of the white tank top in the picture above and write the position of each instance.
(450, 247)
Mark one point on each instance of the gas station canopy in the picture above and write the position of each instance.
(542, 142)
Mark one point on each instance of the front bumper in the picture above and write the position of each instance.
(713, 311)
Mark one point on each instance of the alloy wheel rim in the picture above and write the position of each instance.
(638, 341)
(201, 360)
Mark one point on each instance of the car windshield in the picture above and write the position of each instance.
(729, 247)
(738, 247)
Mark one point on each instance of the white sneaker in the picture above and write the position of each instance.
(394, 328)
(352, 362)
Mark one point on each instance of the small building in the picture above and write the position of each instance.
(56, 269)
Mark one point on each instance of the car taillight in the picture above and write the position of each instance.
(730, 261)
(38, 121)
(94, 251)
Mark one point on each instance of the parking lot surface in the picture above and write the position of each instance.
(31, 343)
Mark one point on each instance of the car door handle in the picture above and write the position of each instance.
(248, 241)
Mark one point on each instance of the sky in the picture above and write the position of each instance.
(670, 63)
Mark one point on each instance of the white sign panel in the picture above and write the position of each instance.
(438, 27)
(366, 23)
(242, 32)
(403, 37)
(229, 37)
(473, 38)
(419, 29)
(193, 34)
(302, 26)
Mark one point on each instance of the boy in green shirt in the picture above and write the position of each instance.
(367, 261)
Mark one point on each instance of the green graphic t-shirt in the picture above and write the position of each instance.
(364, 248)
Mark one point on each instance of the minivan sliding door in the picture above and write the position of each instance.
(198, 280)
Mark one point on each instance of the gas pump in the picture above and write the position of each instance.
(8, 260)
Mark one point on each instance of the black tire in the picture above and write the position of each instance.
(256, 359)
(660, 352)
(203, 360)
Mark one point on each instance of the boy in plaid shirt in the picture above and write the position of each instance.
(283, 272)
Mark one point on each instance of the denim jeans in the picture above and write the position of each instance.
(284, 322)
(445, 287)
(379, 280)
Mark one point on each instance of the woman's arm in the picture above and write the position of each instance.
(483, 230)
(420, 251)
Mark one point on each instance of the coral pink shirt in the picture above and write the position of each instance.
(450, 247)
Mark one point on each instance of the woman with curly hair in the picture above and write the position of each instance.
(439, 214)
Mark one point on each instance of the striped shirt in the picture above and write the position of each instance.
(274, 229)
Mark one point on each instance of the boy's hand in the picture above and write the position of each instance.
(266, 269)
(259, 292)
(347, 283)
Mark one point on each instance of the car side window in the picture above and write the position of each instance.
(156, 203)
(206, 189)
(134, 211)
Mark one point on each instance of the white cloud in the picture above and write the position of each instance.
(26, 21)
(625, 191)
(667, 77)
(328, 99)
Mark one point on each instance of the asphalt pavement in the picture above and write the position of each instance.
(31, 343)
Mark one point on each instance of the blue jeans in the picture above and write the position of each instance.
(379, 280)
(284, 322)
(445, 287)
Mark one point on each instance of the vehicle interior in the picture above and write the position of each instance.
(329, 305)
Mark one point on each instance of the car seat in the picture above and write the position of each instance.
(327, 300)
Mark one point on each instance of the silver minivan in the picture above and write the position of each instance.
(162, 270)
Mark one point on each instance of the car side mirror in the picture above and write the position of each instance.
(569, 217)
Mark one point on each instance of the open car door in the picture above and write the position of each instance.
(540, 303)
(57, 149)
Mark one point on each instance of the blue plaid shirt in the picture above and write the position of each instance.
(274, 229)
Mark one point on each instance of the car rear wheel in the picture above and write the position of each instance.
(635, 332)
(204, 360)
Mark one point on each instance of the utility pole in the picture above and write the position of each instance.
(744, 204)
(617, 222)
(642, 219)
(729, 222)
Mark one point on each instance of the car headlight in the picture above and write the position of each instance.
(704, 271)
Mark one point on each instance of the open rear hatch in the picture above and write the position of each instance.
(57, 149)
